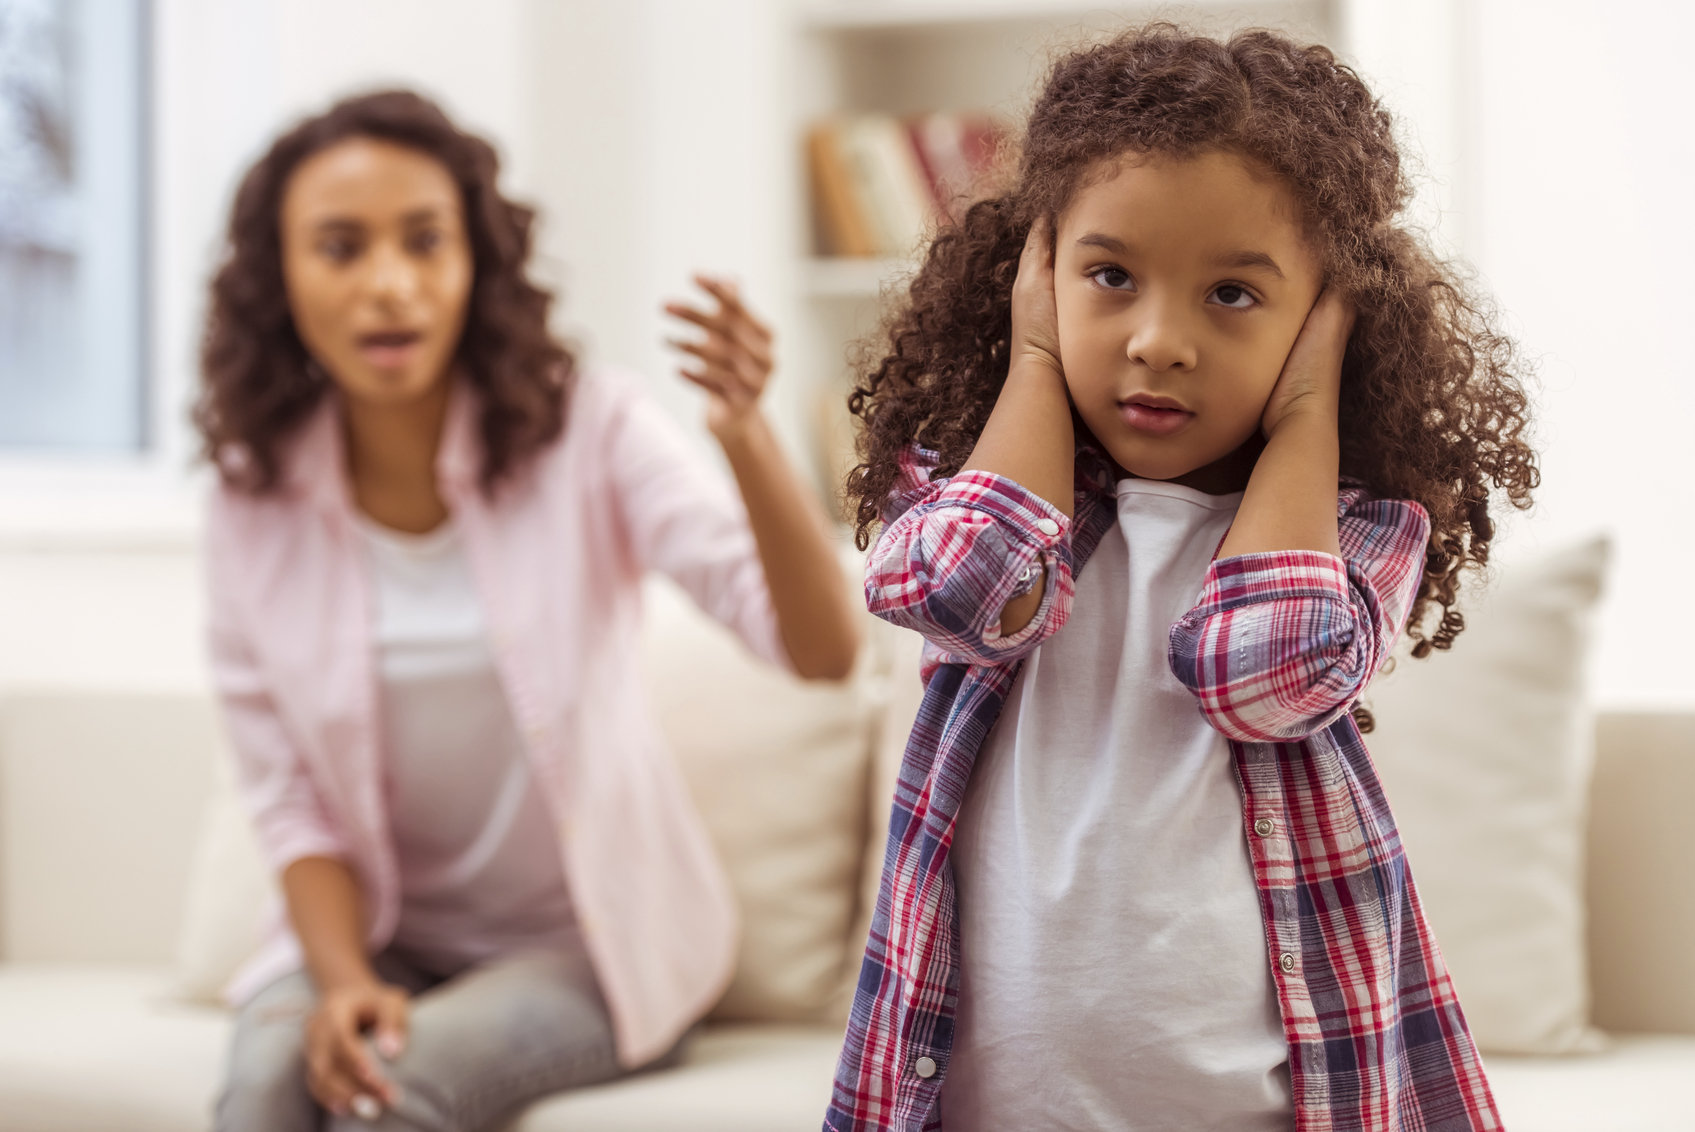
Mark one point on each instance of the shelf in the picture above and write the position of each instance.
(827, 277)
(893, 15)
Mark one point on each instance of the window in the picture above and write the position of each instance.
(73, 357)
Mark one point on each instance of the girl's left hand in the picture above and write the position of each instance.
(1311, 381)
(732, 363)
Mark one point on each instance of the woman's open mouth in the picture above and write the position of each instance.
(1156, 416)
(390, 349)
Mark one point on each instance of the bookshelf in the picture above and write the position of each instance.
(911, 57)
(887, 15)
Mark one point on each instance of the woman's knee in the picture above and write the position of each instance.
(265, 1087)
(265, 1076)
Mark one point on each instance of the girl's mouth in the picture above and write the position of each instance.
(389, 349)
(1156, 416)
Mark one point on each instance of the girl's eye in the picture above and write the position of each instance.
(1112, 278)
(338, 250)
(1234, 297)
(425, 241)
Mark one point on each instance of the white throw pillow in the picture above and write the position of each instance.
(1485, 752)
(230, 889)
(777, 766)
(778, 769)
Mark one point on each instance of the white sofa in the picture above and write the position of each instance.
(106, 800)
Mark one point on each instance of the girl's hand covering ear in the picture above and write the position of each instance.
(1035, 320)
(1311, 381)
(732, 363)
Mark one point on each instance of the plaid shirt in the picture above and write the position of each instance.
(1277, 649)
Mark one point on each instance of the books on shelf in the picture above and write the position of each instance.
(880, 183)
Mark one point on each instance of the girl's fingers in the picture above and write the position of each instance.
(1039, 243)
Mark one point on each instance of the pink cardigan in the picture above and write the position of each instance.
(558, 555)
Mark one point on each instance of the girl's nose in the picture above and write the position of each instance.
(1160, 340)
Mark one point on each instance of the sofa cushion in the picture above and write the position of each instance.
(1486, 752)
(778, 767)
(106, 787)
(1637, 1083)
(1642, 873)
(85, 1047)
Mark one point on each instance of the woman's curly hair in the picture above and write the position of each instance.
(1432, 405)
(259, 384)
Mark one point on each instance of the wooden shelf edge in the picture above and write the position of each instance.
(894, 15)
(835, 277)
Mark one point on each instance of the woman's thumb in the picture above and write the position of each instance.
(390, 1034)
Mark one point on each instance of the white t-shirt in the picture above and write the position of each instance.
(1115, 972)
(482, 872)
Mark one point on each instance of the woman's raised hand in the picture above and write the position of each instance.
(1311, 381)
(1035, 319)
(732, 363)
(341, 1073)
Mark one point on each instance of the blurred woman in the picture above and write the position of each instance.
(425, 556)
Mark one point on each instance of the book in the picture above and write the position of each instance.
(881, 185)
(842, 227)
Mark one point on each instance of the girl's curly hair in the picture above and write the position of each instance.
(258, 383)
(1432, 405)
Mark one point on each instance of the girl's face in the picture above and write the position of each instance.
(377, 266)
(1180, 285)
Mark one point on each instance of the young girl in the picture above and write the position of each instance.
(425, 561)
(1140, 872)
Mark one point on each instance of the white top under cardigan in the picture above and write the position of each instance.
(481, 868)
(1113, 959)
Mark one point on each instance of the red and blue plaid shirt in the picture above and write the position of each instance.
(1277, 649)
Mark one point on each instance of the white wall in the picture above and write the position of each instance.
(1557, 135)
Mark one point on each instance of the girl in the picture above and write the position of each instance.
(425, 561)
(1140, 872)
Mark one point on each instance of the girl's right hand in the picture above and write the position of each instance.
(339, 1065)
(1035, 319)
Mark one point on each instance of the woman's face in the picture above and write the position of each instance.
(1180, 285)
(377, 266)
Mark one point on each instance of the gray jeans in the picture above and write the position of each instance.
(482, 1045)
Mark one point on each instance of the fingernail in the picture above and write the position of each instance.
(389, 1045)
(366, 1107)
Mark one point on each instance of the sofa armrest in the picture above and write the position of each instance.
(1642, 873)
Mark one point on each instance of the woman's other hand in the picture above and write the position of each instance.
(732, 362)
(340, 1067)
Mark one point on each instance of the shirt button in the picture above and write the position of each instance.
(1263, 827)
(925, 1067)
(1047, 526)
(1287, 961)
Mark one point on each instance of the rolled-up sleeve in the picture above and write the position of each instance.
(686, 520)
(288, 814)
(1281, 643)
(957, 551)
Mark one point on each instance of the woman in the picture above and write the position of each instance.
(424, 561)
